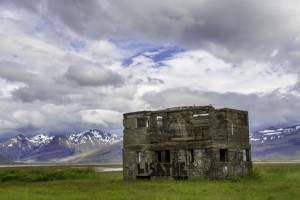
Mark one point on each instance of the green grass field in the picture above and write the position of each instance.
(270, 181)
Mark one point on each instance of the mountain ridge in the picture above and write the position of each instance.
(276, 143)
(44, 148)
(97, 146)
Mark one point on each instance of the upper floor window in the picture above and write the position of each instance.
(159, 121)
(142, 122)
(242, 119)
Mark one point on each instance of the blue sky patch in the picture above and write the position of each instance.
(157, 54)
(41, 26)
(77, 45)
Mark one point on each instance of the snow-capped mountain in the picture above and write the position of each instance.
(94, 137)
(19, 141)
(44, 148)
(40, 140)
(17, 147)
(276, 143)
(273, 134)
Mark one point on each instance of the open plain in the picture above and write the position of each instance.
(269, 181)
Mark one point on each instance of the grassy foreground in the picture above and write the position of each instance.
(271, 181)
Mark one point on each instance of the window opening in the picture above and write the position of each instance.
(246, 155)
(159, 121)
(190, 156)
(138, 157)
(223, 155)
(163, 156)
(142, 122)
(242, 119)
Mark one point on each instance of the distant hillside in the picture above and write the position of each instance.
(276, 143)
(94, 146)
(110, 153)
(43, 148)
(4, 160)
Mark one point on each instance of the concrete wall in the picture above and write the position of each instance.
(186, 142)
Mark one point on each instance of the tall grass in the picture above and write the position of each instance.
(268, 182)
(44, 174)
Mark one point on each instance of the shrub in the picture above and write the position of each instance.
(44, 174)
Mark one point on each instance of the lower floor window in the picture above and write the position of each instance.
(163, 156)
(190, 156)
(223, 155)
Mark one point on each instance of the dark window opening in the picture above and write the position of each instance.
(163, 156)
(242, 119)
(246, 155)
(142, 122)
(143, 177)
(223, 155)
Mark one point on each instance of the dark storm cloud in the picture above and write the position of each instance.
(89, 75)
(244, 28)
(232, 29)
(36, 86)
(33, 93)
(24, 4)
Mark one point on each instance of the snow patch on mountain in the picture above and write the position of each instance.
(273, 134)
(41, 139)
(94, 137)
(43, 147)
(276, 143)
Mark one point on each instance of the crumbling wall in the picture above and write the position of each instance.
(189, 142)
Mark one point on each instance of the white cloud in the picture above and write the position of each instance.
(61, 69)
(102, 117)
(23, 118)
(8, 14)
(202, 71)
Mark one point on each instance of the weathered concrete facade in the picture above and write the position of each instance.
(186, 142)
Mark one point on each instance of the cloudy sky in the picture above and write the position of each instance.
(71, 65)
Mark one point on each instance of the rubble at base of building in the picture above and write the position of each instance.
(186, 142)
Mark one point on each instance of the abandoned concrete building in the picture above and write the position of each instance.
(186, 142)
